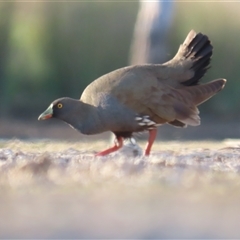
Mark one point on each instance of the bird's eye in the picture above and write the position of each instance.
(59, 105)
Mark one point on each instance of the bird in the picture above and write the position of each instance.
(140, 98)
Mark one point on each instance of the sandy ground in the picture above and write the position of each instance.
(60, 190)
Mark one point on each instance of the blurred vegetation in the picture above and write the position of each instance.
(50, 50)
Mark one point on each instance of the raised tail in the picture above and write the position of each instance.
(193, 57)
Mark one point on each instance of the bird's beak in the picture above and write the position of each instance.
(46, 114)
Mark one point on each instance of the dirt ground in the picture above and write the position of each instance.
(58, 189)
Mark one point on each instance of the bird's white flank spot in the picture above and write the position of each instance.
(151, 123)
(146, 121)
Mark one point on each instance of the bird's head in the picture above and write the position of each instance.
(60, 108)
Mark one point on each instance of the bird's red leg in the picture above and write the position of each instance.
(118, 144)
(151, 138)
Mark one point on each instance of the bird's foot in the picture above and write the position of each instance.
(118, 144)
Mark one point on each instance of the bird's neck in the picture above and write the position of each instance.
(85, 119)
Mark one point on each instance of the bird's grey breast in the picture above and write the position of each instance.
(116, 115)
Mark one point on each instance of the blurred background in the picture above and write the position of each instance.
(51, 50)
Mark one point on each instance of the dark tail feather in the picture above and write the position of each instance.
(197, 52)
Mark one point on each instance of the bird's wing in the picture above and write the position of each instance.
(165, 104)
